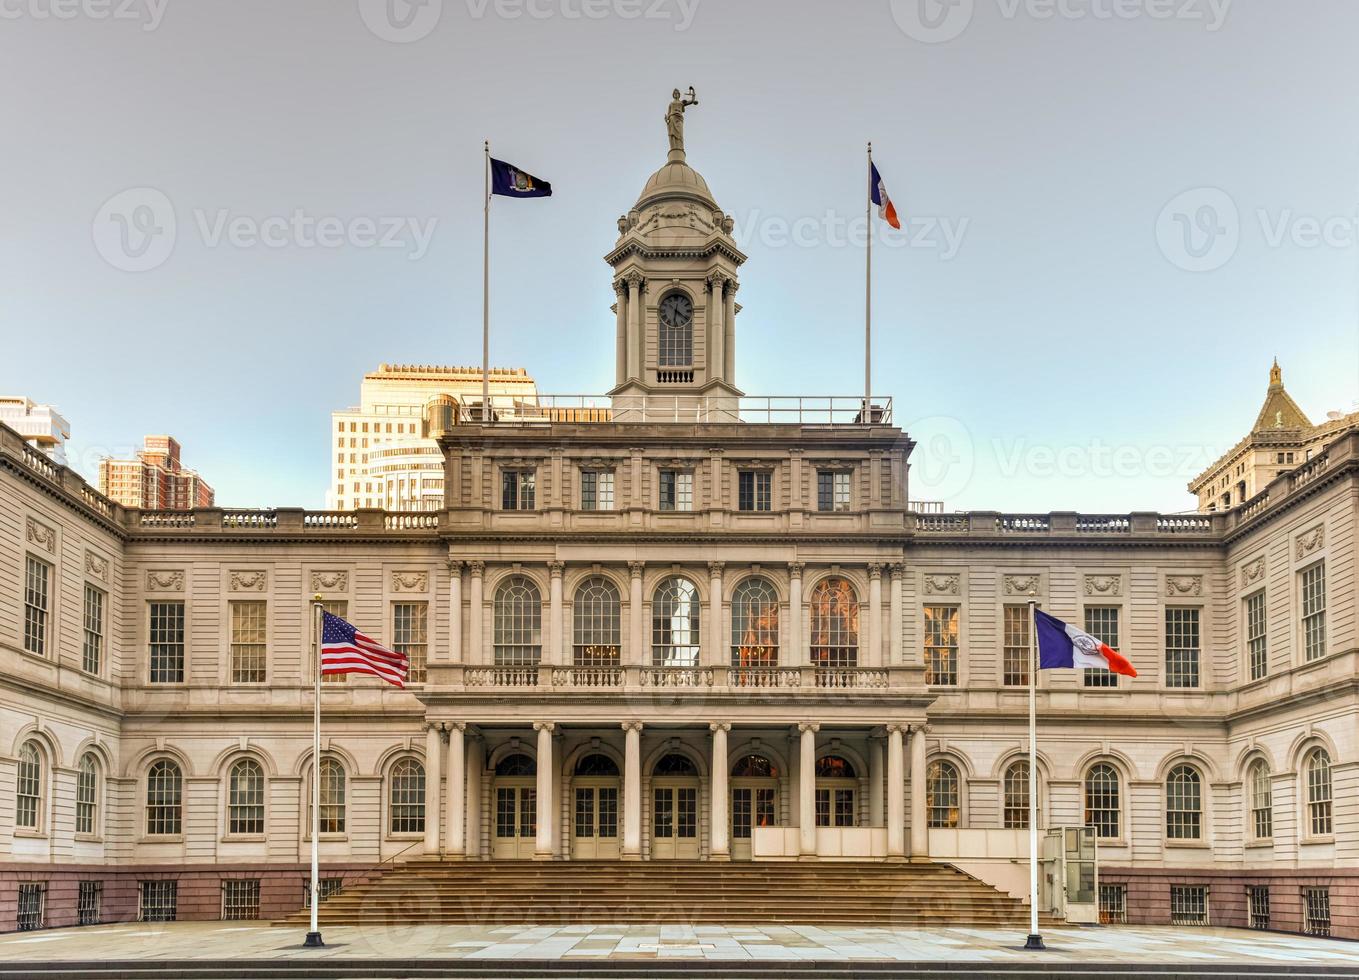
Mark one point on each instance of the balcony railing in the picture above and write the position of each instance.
(691, 409)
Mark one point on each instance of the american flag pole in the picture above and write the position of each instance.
(314, 936)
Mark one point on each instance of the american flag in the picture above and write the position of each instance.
(344, 650)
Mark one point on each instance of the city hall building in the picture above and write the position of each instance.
(677, 624)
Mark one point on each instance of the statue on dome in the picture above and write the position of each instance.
(674, 121)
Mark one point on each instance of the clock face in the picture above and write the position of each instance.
(676, 310)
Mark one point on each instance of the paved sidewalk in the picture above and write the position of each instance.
(227, 941)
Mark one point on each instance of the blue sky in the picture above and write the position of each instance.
(1119, 213)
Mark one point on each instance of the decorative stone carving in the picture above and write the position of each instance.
(335, 581)
(1182, 585)
(1253, 571)
(1311, 540)
(1021, 584)
(943, 583)
(249, 581)
(42, 535)
(166, 580)
(410, 581)
(1098, 585)
(96, 566)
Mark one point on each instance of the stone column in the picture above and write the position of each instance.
(636, 641)
(717, 365)
(896, 803)
(715, 656)
(807, 789)
(634, 281)
(894, 653)
(547, 806)
(729, 339)
(632, 791)
(796, 657)
(434, 747)
(621, 343)
(476, 765)
(475, 653)
(719, 829)
(556, 619)
(920, 836)
(455, 836)
(875, 784)
(875, 658)
(454, 611)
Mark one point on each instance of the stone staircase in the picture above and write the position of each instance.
(491, 893)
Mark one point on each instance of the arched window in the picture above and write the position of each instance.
(517, 764)
(942, 793)
(518, 629)
(1318, 770)
(28, 811)
(674, 624)
(754, 767)
(836, 792)
(406, 798)
(675, 764)
(835, 624)
(1016, 788)
(1102, 808)
(164, 798)
(332, 798)
(596, 620)
(1261, 801)
(245, 798)
(1184, 803)
(676, 330)
(754, 624)
(87, 795)
(596, 764)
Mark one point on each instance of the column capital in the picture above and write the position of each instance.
(632, 726)
(636, 568)
(715, 567)
(555, 568)
(544, 726)
(875, 570)
(454, 566)
(795, 568)
(808, 726)
(476, 567)
(719, 726)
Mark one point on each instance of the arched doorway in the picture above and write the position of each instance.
(837, 792)
(754, 801)
(674, 809)
(594, 824)
(515, 796)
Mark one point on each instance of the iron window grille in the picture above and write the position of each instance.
(164, 798)
(1182, 647)
(410, 631)
(87, 790)
(596, 621)
(167, 642)
(675, 625)
(835, 624)
(406, 799)
(90, 903)
(240, 898)
(247, 641)
(37, 574)
(32, 905)
(91, 655)
(754, 490)
(1257, 898)
(1102, 804)
(1314, 611)
(1189, 905)
(157, 901)
(1256, 642)
(245, 803)
(941, 645)
(1101, 622)
(517, 630)
(754, 624)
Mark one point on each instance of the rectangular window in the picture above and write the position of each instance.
(35, 605)
(754, 490)
(1314, 611)
(93, 649)
(411, 636)
(1113, 904)
(832, 490)
(1188, 905)
(336, 607)
(1101, 622)
(676, 490)
(241, 898)
(32, 903)
(941, 645)
(1256, 652)
(517, 489)
(157, 901)
(90, 903)
(167, 642)
(1258, 899)
(1016, 667)
(1182, 647)
(329, 886)
(1317, 902)
(247, 641)
(596, 490)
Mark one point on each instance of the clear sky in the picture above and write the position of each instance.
(1118, 212)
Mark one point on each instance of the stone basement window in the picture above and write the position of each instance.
(1113, 904)
(32, 904)
(90, 903)
(157, 901)
(241, 898)
(1189, 905)
(1258, 898)
(1317, 907)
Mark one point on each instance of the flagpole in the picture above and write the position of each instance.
(486, 289)
(868, 297)
(1035, 940)
(314, 937)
